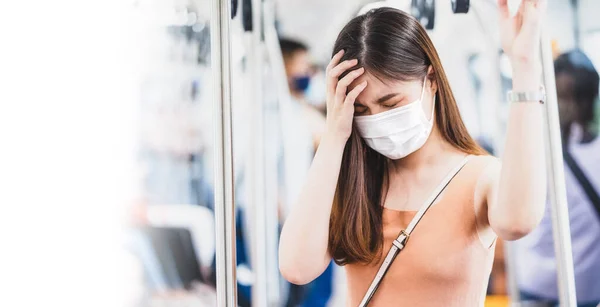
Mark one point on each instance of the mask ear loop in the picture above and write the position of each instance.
(432, 109)
(433, 105)
(423, 90)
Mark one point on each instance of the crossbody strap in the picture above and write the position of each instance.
(583, 180)
(400, 242)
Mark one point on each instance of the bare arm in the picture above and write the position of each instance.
(303, 244)
(304, 239)
(516, 192)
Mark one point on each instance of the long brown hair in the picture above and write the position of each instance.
(389, 44)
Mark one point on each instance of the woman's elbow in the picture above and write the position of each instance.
(516, 228)
(514, 231)
(294, 276)
(298, 269)
(516, 220)
(295, 273)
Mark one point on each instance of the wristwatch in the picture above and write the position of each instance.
(535, 96)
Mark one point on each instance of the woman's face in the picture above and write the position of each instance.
(380, 96)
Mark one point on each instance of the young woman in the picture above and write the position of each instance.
(394, 133)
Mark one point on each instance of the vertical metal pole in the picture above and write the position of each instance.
(257, 165)
(223, 155)
(556, 177)
(511, 273)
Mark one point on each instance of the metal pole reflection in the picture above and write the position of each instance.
(556, 179)
(223, 155)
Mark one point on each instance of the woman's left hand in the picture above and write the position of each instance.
(520, 34)
(516, 194)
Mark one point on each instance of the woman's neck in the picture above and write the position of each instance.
(426, 156)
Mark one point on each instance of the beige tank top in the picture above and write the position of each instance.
(444, 262)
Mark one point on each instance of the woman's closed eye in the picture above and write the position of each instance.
(359, 109)
(390, 105)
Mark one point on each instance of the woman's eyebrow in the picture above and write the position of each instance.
(380, 100)
(387, 97)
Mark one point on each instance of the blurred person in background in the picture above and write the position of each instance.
(299, 72)
(577, 83)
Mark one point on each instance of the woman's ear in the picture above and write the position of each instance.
(432, 79)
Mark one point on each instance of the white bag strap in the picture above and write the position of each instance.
(400, 242)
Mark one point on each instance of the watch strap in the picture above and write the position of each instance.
(533, 96)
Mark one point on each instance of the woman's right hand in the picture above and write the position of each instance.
(340, 106)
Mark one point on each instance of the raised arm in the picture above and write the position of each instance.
(516, 191)
(304, 239)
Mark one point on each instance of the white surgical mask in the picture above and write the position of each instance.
(398, 132)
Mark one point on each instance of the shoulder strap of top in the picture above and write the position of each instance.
(400, 242)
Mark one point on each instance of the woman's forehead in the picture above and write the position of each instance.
(377, 87)
(382, 83)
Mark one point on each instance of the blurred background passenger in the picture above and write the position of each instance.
(577, 84)
(300, 71)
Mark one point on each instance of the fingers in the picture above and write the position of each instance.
(335, 60)
(341, 68)
(519, 15)
(342, 85)
(533, 12)
(333, 74)
(353, 94)
(530, 12)
(503, 8)
(332, 64)
(334, 70)
(535, 6)
(330, 82)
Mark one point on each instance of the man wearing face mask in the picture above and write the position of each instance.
(297, 66)
(300, 73)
